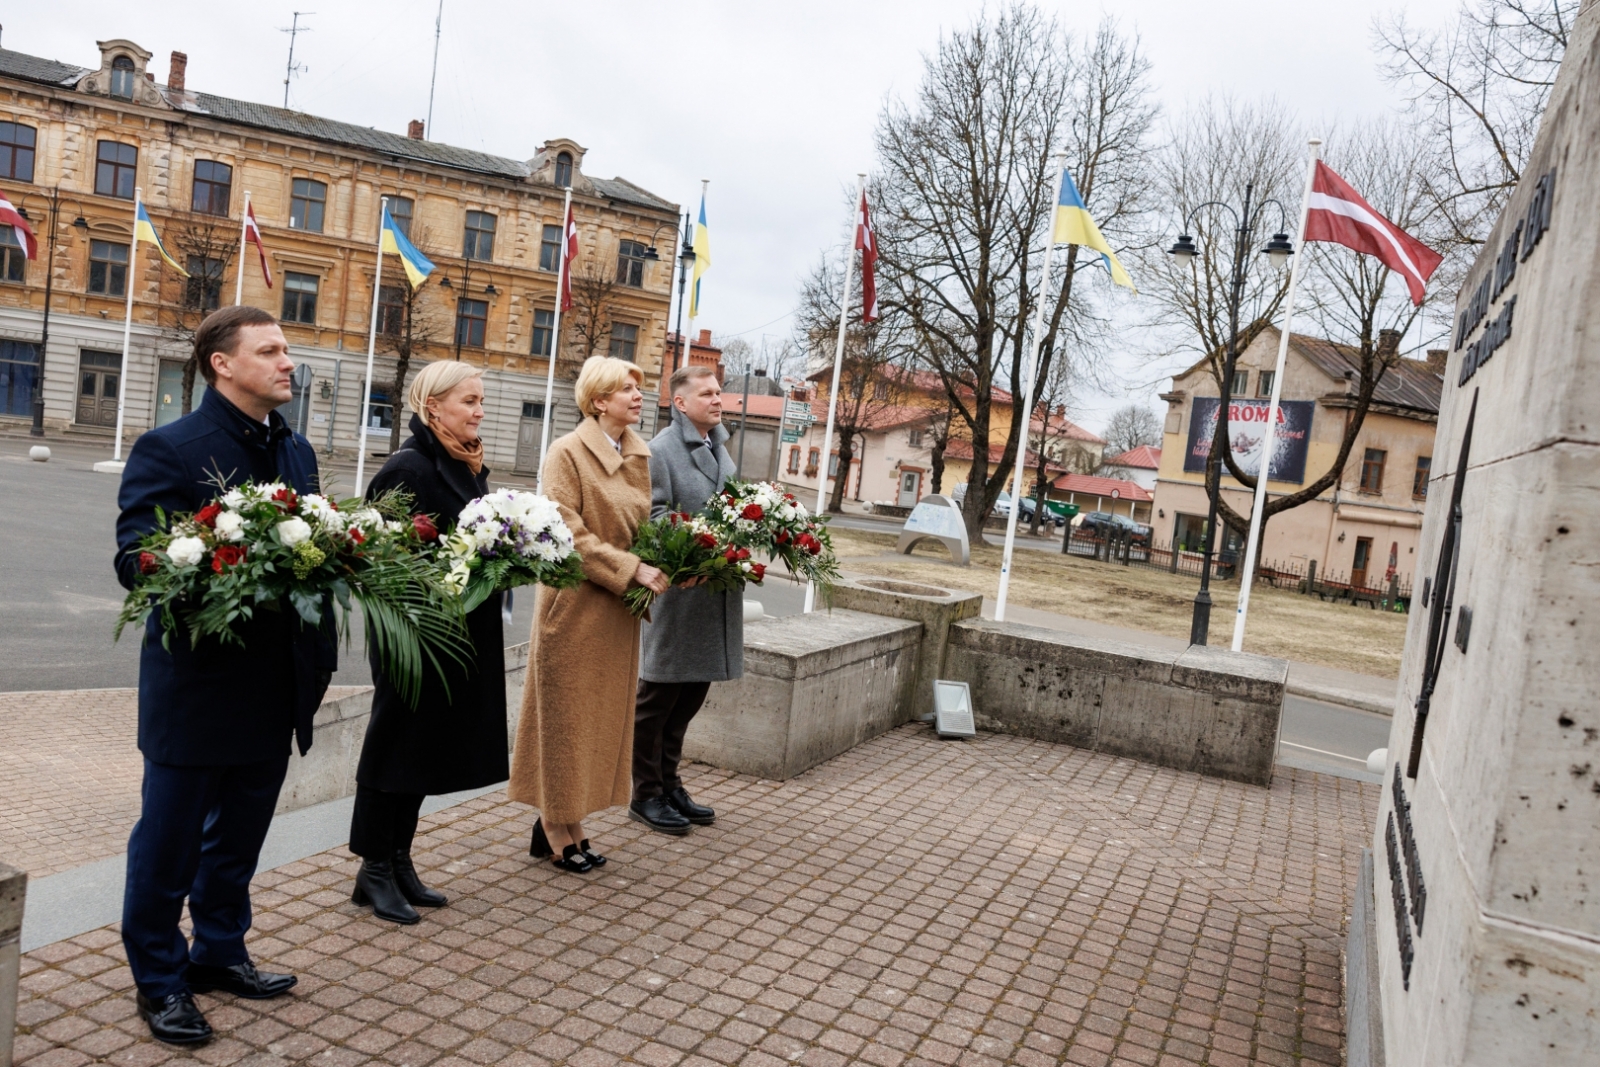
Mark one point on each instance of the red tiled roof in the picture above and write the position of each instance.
(925, 381)
(770, 407)
(1089, 485)
(1061, 426)
(1145, 457)
(959, 449)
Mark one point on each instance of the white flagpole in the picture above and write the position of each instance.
(372, 344)
(555, 344)
(1260, 502)
(838, 360)
(1030, 373)
(127, 324)
(244, 234)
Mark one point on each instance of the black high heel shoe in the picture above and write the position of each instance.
(573, 860)
(376, 887)
(572, 857)
(539, 847)
(594, 858)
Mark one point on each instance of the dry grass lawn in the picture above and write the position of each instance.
(1281, 623)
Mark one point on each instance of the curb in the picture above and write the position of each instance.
(1331, 694)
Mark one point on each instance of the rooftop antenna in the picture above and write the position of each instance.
(438, 23)
(293, 68)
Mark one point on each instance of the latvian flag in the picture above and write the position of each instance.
(12, 218)
(867, 241)
(252, 233)
(1338, 214)
(569, 253)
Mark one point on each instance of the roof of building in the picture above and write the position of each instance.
(959, 449)
(923, 381)
(1061, 426)
(298, 124)
(1089, 485)
(760, 385)
(878, 415)
(1145, 457)
(770, 407)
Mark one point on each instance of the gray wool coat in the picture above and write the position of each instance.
(692, 635)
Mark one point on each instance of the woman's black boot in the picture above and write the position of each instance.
(539, 846)
(411, 887)
(375, 885)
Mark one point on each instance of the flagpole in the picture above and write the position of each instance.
(244, 234)
(562, 267)
(372, 344)
(127, 324)
(1027, 405)
(1253, 546)
(838, 360)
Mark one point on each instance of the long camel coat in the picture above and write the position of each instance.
(574, 749)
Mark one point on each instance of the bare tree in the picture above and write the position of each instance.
(939, 440)
(966, 188)
(207, 246)
(1129, 427)
(1049, 441)
(593, 291)
(409, 328)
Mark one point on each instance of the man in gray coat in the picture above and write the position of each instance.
(694, 637)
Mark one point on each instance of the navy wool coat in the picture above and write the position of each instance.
(216, 704)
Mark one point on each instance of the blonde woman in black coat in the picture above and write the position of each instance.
(447, 743)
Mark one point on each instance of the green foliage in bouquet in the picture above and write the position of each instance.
(684, 547)
(765, 517)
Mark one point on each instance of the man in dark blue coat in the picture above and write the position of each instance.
(215, 721)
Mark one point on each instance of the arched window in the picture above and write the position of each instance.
(564, 170)
(122, 75)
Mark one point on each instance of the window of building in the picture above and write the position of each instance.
(1372, 470)
(400, 210)
(794, 461)
(472, 321)
(532, 409)
(380, 412)
(543, 323)
(857, 387)
(203, 288)
(478, 241)
(564, 170)
(624, 340)
(630, 263)
(299, 297)
(391, 309)
(880, 390)
(115, 165)
(213, 183)
(1241, 383)
(108, 268)
(307, 200)
(1264, 382)
(833, 464)
(914, 438)
(19, 365)
(16, 151)
(812, 458)
(122, 75)
(13, 257)
(550, 249)
(1419, 480)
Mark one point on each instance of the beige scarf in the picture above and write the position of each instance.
(471, 455)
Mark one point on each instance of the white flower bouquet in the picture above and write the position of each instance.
(505, 539)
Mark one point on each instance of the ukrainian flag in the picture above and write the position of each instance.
(391, 240)
(1075, 227)
(702, 256)
(145, 230)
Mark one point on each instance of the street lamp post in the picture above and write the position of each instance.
(465, 294)
(37, 429)
(1184, 251)
(685, 264)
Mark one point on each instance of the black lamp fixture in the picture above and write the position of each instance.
(80, 223)
(444, 283)
(651, 254)
(1184, 250)
(490, 290)
(1279, 250)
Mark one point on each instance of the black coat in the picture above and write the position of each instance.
(445, 743)
(220, 705)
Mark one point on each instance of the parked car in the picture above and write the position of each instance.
(1104, 523)
(1054, 511)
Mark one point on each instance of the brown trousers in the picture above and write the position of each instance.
(661, 714)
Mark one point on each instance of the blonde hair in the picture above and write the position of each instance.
(437, 379)
(600, 377)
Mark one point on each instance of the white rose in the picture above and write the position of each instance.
(230, 526)
(186, 551)
(233, 498)
(293, 531)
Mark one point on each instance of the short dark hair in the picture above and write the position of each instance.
(681, 377)
(220, 333)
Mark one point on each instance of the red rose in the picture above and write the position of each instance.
(758, 571)
(357, 536)
(789, 497)
(425, 527)
(148, 563)
(705, 540)
(227, 556)
(207, 516)
(732, 555)
(752, 512)
(287, 498)
(783, 537)
(744, 554)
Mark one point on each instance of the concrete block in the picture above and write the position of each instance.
(13, 894)
(814, 686)
(1363, 1010)
(929, 605)
(1205, 710)
(328, 771)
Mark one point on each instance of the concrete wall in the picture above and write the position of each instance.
(13, 891)
(933, 608)
(1205, 710)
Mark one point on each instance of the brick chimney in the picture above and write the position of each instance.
(414, 131)
(180, 66)
(1437, 357)
(705, 339)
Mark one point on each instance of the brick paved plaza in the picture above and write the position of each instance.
(911, 902)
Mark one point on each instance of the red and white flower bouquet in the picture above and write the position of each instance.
(686, 547)
(765, 517)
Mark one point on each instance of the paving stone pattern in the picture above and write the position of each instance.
(992, 901)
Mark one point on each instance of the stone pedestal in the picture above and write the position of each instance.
(936, 609)
(13, 892)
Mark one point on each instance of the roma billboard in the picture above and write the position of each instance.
(1247, 433)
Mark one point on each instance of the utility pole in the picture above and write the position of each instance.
(438, 25)
(292, 69)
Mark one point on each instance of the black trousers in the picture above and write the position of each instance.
(383, 823)
(661, 715)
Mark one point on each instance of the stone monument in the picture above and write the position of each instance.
(1484, 905)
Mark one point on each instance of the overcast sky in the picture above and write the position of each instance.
(775, 104)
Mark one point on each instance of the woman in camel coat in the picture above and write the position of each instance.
(574, 747)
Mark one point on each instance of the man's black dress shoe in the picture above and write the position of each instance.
(657, 814)
(375, 885)
(411, 887)
(698, 814)
(174, 1019)
(242, 980)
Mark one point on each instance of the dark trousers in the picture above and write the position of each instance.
(661, 715)
(199, 836)
(383, 823)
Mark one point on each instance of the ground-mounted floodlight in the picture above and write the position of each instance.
(952, 710)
